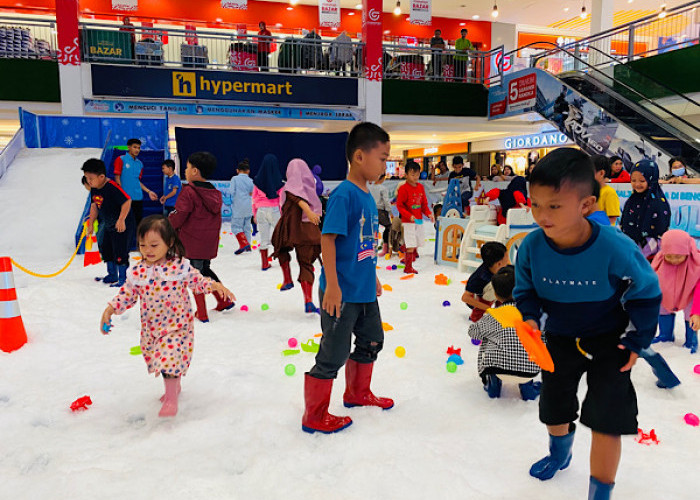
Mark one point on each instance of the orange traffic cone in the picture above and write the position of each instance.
(92, 253)
(12, 333)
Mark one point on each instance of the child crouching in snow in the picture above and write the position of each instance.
(160, 281)
(501, 353)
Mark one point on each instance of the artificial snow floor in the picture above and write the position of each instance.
(238, 431)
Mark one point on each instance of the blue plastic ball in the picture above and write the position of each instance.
(394, 267)
(476, 341)
(446, 303)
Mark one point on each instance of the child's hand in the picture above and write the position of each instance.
(379, 289)
(162, 200)
(632, 360)
(218, 287)
(152, 196)
(314, 218)
(120, 226)
(106, 320)
(432, 218)
(332, 299)
(695, 322)
(533, 324)
(413, 219)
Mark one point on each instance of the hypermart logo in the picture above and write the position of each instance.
(184, 84)
(189, 84)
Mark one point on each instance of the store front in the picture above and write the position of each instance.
(429, 158)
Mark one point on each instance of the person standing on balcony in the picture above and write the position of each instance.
(128, 27)
(264, 47)
(463, 46)
(437, 44)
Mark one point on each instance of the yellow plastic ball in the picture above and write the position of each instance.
(400, 352)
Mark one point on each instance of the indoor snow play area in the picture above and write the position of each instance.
(238, 434)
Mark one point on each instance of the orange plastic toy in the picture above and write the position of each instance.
(531, 339)
(441, 279)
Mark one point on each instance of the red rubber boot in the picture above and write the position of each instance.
(317, 395)
(309, 306)
(410, 258)
(243, 245)
(222, 302)
(357, 392)
(288, 284)
(201, 313)
(265, 259)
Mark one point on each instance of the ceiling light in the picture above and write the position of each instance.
(290, 8)
(278, 25)
(293, 2)
(494, 12)
(630, 1)
(475, 16)
(397, 9)
(566, 9)
(462, 24)
(358, 6)
(386, 32)
(351, 13)
(663, 12)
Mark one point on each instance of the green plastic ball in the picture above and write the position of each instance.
(264, 307)
(290, 370)
(403, 306)
(451, 367)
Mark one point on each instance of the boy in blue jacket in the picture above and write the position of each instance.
(242, 207)
(601, 312)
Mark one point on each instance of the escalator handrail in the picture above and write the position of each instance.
(555, 47)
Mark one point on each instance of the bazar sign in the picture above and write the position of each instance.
(163, 83)
(545, 139)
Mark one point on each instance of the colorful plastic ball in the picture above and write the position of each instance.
(697, 369)
(279, 286)
(451, 367)
(290, 370)
(292, 342)
(446, 303)
(476, 341)
(264, 307)
(400, 352)
(394, 267)
(244, 308)
(691, 419)
(388, 268)
(403, 306)
(456, 359)
(387, 256)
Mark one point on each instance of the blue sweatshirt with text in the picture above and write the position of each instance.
(605, 285)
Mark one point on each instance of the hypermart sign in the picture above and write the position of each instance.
(161, 83)
(535, 141)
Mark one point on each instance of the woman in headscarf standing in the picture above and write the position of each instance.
(647, 214)
(267, 188)
(298, 229)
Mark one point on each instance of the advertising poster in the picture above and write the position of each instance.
(329, 13)
(421, 12)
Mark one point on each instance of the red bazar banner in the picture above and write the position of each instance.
(421, 12)
(67, 27)
(522, 92)
(329, 13)
(372, 37)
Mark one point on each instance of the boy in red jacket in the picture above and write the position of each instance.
(412, 203)
(197, 220)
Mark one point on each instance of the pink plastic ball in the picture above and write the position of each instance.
(244, 308)
(292, 342)
(692, 419)
(697, 369)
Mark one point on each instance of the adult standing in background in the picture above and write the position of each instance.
(128, 171)
(264, 46)
(463, 45)
(437, 44)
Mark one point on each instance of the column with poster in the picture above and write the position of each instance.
(69, 72)
(372, 59)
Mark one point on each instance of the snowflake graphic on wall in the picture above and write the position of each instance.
(139, 123)
(68, 140)
(65, 122)
(105, 122)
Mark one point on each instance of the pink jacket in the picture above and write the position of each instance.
(696, 301)
(261, 200)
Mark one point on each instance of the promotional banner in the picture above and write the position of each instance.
(234, 4)
(177, 108)
(163, 83)
(421, 12)
(67, 27)
(583, 121)
(329, 13)
(372, 36)
(125, 5)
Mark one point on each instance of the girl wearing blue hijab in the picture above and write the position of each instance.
(266, 203)
(647, 214)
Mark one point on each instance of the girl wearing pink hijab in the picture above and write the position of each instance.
(298, 229)
(678, 266)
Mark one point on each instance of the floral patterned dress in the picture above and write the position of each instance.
(167, 323)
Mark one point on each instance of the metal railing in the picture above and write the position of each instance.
(27, 38)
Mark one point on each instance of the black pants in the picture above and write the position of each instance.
(137, 210)
(263, 61)
(385, 221)
(203, 266)
(115, 245)
(460, 69)
(364, 321)
(437, 65)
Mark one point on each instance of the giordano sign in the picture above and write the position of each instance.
(542, 140)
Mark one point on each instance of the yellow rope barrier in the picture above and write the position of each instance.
(75, 252)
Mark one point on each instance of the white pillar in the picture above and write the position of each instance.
(504, 34)
(71, 81)
(602, 12)
(373, 101)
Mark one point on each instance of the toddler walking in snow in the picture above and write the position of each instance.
(160, 281)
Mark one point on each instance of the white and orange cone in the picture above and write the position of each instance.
(12, 333)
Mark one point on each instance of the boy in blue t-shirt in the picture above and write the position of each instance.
(171, 187)
(601, 312)
(349, 287)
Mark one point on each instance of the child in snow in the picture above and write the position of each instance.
(514, 196)
(197, 220)
(678, 266)
(111, 274)
(160, 282)
(494, 256)
(412, 204)
(570, 270)
(171, 187)
(298, 229)
(267, 187)
(349, 287)
(381, 197)
(242, 207)
(113, 206)
(500, 352)
(647, 214)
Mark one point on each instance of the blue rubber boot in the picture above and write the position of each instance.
(559, 456)
(493, 386)
(112, 276)
(666, 322)
(598, 490)
(121, 272)
(691, 339)
(666, 379)
(530, 390)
